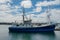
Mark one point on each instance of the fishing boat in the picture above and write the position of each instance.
(27, 26)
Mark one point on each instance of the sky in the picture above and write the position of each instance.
(12, 10)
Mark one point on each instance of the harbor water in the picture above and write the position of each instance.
(6, 35)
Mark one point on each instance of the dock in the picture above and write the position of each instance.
(57, 29)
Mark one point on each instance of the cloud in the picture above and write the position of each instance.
(26, 4)
(11, 18)
(4, 1)
(38, 18)
(46, 3)
(6, 10)
(4, 7)
(37, 9)
(55, 15)
(17, 7)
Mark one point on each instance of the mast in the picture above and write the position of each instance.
(23, 15)
(48, 15)
(30, 17)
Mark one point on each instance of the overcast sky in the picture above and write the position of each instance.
(11, 10)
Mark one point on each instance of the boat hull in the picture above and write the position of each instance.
(49, 28)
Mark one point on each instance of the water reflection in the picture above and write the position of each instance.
(32, 36)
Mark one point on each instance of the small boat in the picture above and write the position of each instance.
(27, 26)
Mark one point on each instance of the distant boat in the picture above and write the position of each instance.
(27, 26)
